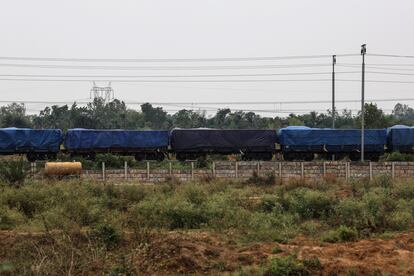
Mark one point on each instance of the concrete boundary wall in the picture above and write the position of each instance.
(243, 170)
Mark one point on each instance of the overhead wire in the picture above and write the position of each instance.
(206, 67)
(168, 81)
(368, 66)
(389, 55)
(60, 59)
(174, 76)
(203, 81)
(82, 101)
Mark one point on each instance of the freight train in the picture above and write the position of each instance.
(293, 143)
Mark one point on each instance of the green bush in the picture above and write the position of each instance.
(286, 266)
(113, 161)
(404, 190)
(400, 220)
(194, 193)
(29, 199)
(121, 197)
(397, 156)
(352, 212)
(384, 181)
(312, 228)
(172, 213)
(379, 205)
(266, 180)
(311, 204)
(82, 211)
(341, 234)
(105, 234)
(313, 263)
(268, 203)
(10, 218)
(13, 171)
(268, 227)
(277, 250)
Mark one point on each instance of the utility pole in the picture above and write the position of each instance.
(333, 90)
(104, 93)
(363, 52)
(333, 96)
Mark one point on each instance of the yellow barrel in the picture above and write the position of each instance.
(63, 168)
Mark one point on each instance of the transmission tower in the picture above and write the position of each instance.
(104, 93)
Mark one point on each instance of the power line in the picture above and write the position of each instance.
(391, 73)
(82, 101)
(107, 67)
(170, 81)
(172, 76)
(377, 67)
(203, 81)
(380, 64)
(391, 55)
(60, 59)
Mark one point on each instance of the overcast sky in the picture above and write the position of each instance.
(168, 29)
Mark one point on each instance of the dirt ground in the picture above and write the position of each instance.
(206, 253)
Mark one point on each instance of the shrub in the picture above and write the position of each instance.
(379, 206)
(397, 156)
(13, 171)
(194, 193)
(10, 218)
(172, 213)
(123, 267)
(277, 250)
(313, 263)
(286, 266)
(404, 190)
(267, 180)
(400, 220)
(341, 234)
(105, 234)
(203, 161)
(311, 204)
(113, 161)
(351, 212)
(268, 203)
(268, 227)
(384, 181)
(29, 199)
(311, 228)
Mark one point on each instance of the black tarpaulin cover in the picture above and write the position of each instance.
(205, 139)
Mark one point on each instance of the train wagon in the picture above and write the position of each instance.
(36, 144)
(142, 144)
(302, 143)
(252, 144)
(400, 138)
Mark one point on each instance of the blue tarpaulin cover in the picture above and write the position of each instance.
(105, 139)
(227, 140)
(25, 139)
(400, 135)
(333, 138)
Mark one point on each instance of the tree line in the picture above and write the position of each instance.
(116, 115)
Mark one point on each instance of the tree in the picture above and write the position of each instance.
(14, 115)
(374, 117)
(293, 120)
(155, 118)
(403, 112)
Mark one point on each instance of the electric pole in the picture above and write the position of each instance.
(333, 96)
(104, 93)
(333, 90)
(363, 52)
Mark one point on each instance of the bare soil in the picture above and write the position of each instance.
(207, 253)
